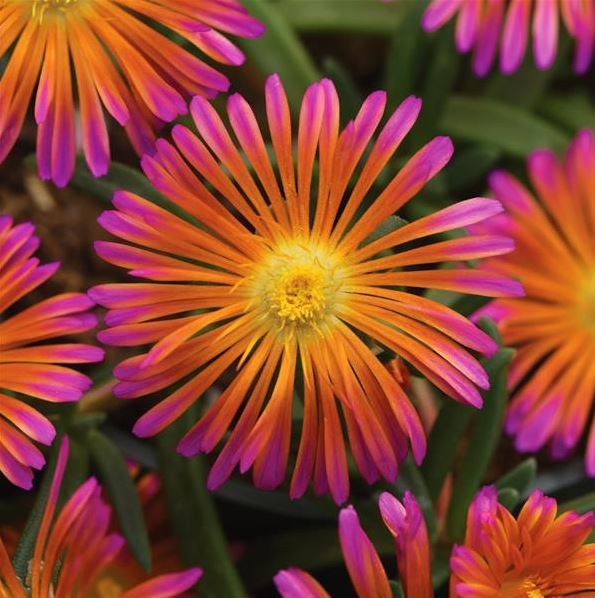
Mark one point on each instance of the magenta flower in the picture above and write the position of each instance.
(488, 26)
(29, 365)
(406, 523)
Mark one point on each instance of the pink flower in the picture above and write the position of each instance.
(486, 26)
(406, 523)
(29, 365)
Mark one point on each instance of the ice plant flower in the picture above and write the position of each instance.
(75, 545)
(275, 285)
(406, 523)
(29, 365)
(489, 26)
(552, 377)
(536, 555)
(121, 64)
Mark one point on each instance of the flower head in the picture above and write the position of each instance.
(552, 377)
(29, 365)
(367, 574)
(535, 555)
(486, 26)
(122, 64)
(275, 285)
(73, 547)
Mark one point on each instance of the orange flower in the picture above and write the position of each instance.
(280, 283)
(552, 328)
(536, 555)
(121, 63)
(73, 548)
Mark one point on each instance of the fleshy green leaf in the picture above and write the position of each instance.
(511, 129)
(443, 442)
(573, 112)
(584, 504)
(402, 64)
(485, 433)
(520, 477)
(508, 497)
(115, 476)
(396, 589)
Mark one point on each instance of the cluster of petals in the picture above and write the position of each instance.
(31, 362)
(490, 26)
(406, 523)
(537, 554)
(246, 271)
(75, 545)
(122, 65)
(552, 328)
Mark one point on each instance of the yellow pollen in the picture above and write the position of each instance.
(297, 287)
(532, 589)
(298, 294)
(41, 7)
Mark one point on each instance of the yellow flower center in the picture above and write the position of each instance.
(297, 287)
(528, 587)
(586, 309)
(43, 7)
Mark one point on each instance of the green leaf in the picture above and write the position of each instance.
(443, 442)
(437, 86)
(115, 476)
(572, 112)
(280, 51)
(485, 434)
(402, 64)
(520, 477)
(193, 515)
(360, 16)
(244, 493)
(26, 545)
(581, 505)
(77, 470)
(511, 129)
(396, 589)
(508, 497)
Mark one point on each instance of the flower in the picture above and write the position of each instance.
(367, 574)
(552, 377)
(277, 288)
(533, 556)
(121, 63)
(73, 548)
(485, 26)
(30, 366)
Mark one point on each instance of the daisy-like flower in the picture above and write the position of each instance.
(535, 555)
(28, 364)
(122, 64)
(406, 523)
(75, 545)
(552, 377)
(283, 286)
(489, 26)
